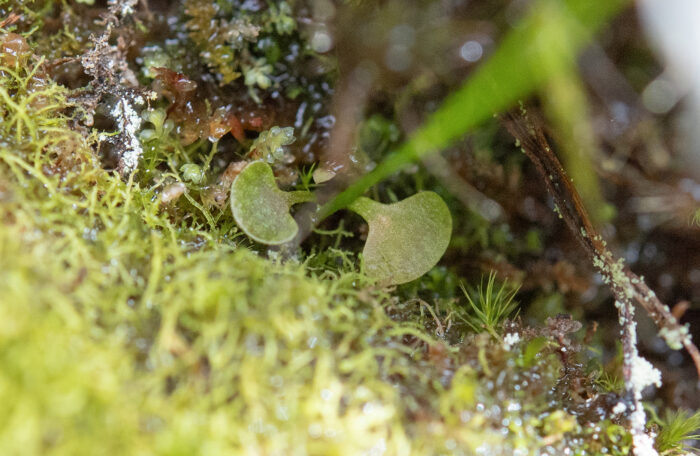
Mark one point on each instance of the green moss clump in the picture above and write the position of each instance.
(127, 331)
(226, 38)
(677, 431)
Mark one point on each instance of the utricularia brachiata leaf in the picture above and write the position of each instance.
(405, 240)
(261, 209)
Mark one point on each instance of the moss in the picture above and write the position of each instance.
(214, 350)
(129, 330)
(237, 41)
(677, 430)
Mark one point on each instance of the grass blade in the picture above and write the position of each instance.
(493, 88)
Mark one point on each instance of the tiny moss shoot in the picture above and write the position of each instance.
(491, 305)
(678, 431)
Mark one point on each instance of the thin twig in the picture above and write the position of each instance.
(625, 284)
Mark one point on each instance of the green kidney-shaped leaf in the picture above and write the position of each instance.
(406, 239)
(260, 208)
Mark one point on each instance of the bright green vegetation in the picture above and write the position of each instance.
(140, 315)
(124, 333)
(405, 240)
(678, 429)
(491, 306)
(261, 209)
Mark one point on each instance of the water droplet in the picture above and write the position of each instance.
(471, 51)
(321, 41)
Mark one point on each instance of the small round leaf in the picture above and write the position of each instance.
(260, 208)
(406, 239)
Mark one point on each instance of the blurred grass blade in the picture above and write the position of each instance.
(512, 72)
(566, 105)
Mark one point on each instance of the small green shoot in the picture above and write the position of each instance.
(271, 144)
(406, 239)
(306, 178)
(261, 209)
(610, 382)
(528, 358)
(678, 428)
(493, 305)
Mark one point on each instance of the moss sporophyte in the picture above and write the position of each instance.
(406, 239)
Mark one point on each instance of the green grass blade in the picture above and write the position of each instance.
(511, 73)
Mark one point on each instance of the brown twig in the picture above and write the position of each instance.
(625, 284)
(9, 20)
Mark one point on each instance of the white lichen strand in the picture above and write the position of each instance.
(644, 374)
(619, 408)
(129, 122)
(643, 445)
(641, 375)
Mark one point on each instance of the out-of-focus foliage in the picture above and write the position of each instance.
(493, 88)
(226, 34)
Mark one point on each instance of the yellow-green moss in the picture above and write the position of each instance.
(124, 332)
